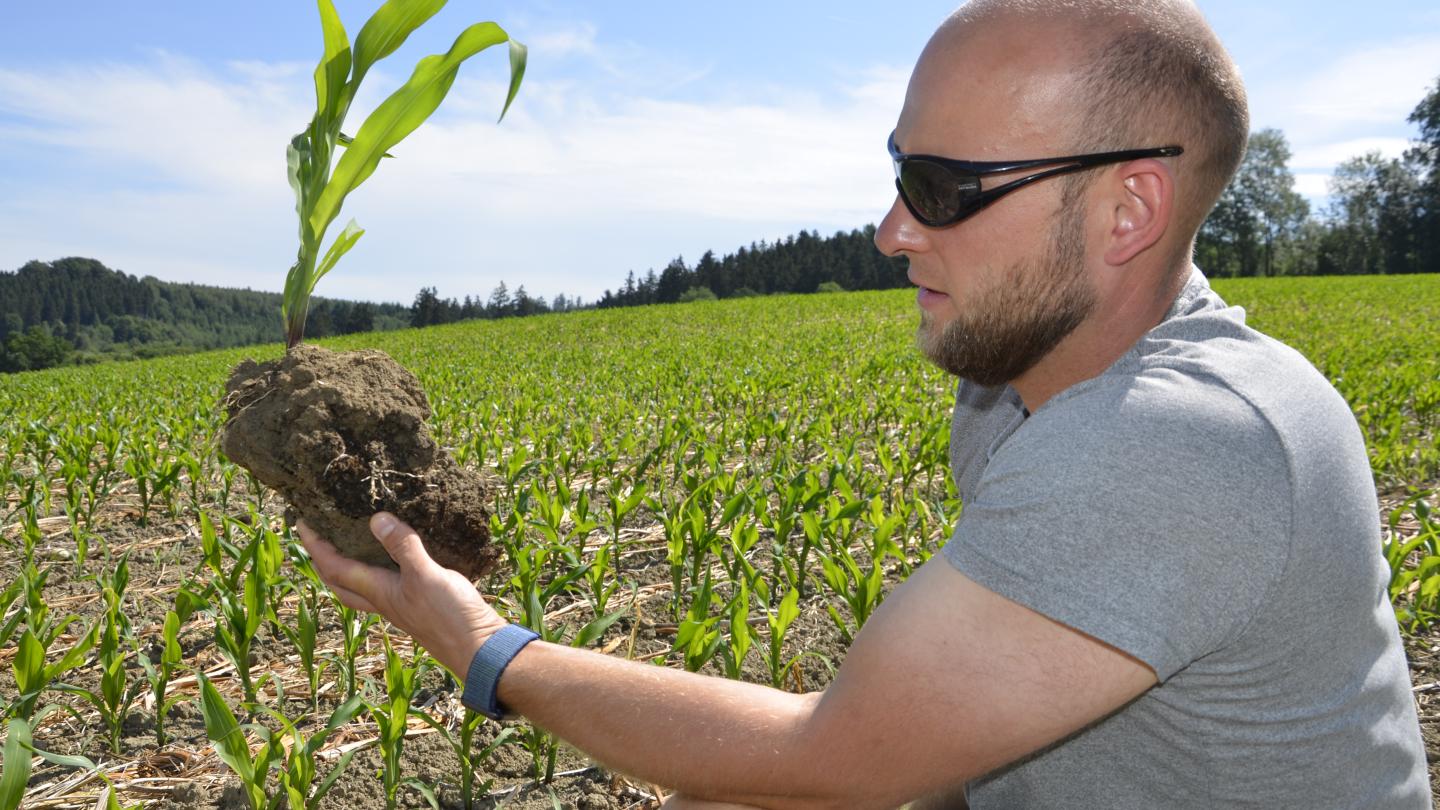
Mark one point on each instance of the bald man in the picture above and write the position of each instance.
(1166, 587)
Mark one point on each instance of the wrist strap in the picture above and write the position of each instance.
(483, 678)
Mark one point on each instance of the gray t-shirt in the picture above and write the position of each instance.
(1205, 505)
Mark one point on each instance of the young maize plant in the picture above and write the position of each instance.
(320, 190)
(698, 636)
(1421, 582)
(32, 675)
(303, 633)
(117, 692)
(354, 628)
(159, 672)
(391, 716)
(779, 620)
(19, 754)
(15, 768)
(297, 772)
(238, 617)
(462, 742)
(231, 745)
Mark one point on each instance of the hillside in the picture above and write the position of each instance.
(103, 313)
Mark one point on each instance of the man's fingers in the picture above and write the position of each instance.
(400, 541)
(350, 599)
(361, 579)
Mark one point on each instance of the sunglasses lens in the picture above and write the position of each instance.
(935, 192)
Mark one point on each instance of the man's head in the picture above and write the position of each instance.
(1028, 79)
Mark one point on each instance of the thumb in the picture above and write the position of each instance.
(400, 541)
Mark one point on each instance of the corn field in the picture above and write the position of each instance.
(730, 487)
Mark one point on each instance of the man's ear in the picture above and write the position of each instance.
(1141, 205)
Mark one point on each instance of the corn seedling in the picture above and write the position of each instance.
(779, 620)
(117, 691)
(462, 742)
(15, 769)
(1414, 590)
(354, 625)
(698, 635)
(231, 745)
(320, 190)
(297, 772)
(238, 619)
(33, 676)
(304, 632)
(391, 716)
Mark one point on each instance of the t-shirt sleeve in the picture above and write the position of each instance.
(1153, 516)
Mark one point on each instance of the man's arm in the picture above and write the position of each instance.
(946, 682)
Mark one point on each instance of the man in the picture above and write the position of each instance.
(1165, 589)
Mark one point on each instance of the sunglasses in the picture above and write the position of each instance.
(940, 191)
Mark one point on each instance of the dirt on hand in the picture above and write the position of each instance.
(343, 435)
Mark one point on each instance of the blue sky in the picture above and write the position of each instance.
(150, 134)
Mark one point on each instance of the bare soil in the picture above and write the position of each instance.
(342, 435)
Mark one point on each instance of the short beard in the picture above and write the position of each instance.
(1006, 331)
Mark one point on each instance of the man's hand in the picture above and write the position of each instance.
(436, 606)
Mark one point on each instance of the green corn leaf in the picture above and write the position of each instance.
(223, 730)
(297, 170)
(592, 632)
(338, 248)
(329, 780)
(387, 29)
(332, 71)
(15, 774)
(345, 140)
(398, 116)
(518, 55)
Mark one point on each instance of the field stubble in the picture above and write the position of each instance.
(729, 487)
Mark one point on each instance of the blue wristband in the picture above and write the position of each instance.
(483, 679)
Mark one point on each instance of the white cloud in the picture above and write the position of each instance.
(572, 190)
(560, 42)
(1314, 185)
(1328, 155)
(1375, 84)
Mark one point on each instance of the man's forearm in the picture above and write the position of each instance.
(707, 737)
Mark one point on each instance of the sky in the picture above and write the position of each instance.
(150, 134)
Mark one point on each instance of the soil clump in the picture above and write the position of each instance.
(342, 435)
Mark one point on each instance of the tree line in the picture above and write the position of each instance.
(1382, 216)
(79, 310)
(801, 263)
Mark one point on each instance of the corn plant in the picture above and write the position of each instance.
(297, 772)
(251, 768)
(303, 633)
(159, 672)
(237, 620)
(32, 675)
(1414, 590)
(741, 635)
(117, 691)
(779, 620)
(391, 716)
(319, 191)
(15, 769)
(354, 625)
(462, 742)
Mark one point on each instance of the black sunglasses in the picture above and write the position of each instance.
(940, 191)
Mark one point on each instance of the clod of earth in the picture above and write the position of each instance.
(342, 435)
